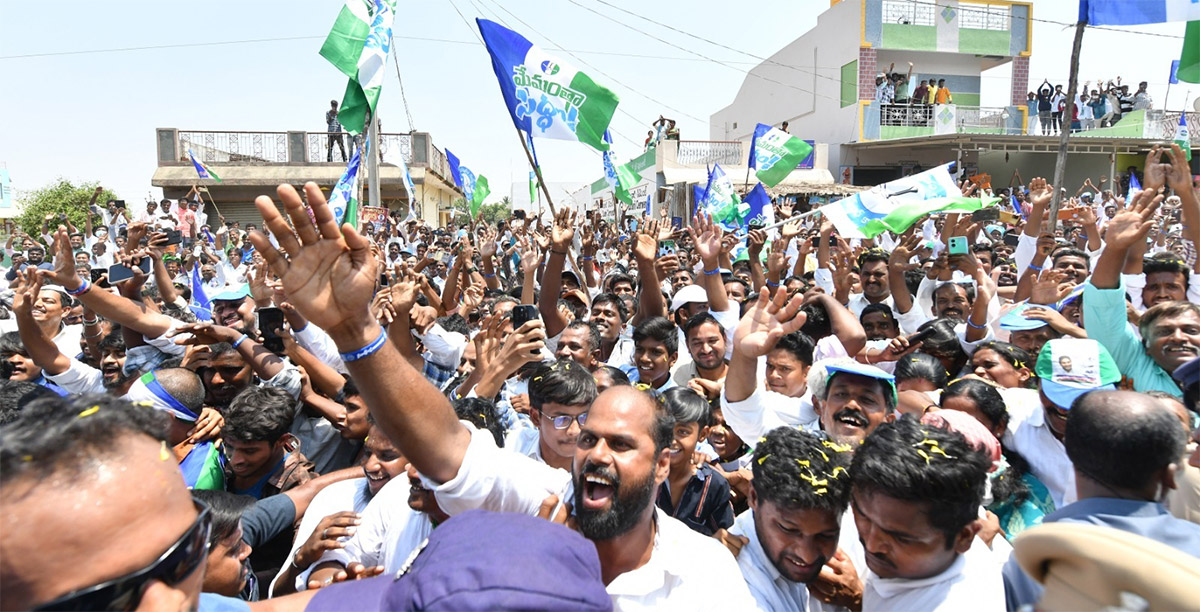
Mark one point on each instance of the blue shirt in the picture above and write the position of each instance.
(1147, 519)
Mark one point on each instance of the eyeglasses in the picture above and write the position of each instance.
(125, 593)
(564, 421)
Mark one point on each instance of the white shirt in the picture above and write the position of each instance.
(686, 570)
(1047, 457)
(973, 582)
(766, 410)
(344, 496)
(622, 353)
(68, 339)
(771, 590)
(79, 377)
(388, 534)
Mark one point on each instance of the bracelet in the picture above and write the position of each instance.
(770, 284)
(239, 341)
(712, 272)
(974, 326)
(559, 252)
(586, 258)
(91, 336)
(367, 350)
(489, 276)
(1035, 268)
(296, 565)
(82, 289)
(87, 323)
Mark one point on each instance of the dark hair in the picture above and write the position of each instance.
(687, 406)
(921, 366)
(481, 413)
(871, 255)
(1115, 446)
(967, 288)
(561, 382)
(616, 301)
(65, 434)
(943, 341)
(593, 332)
(15, 395)
(1016, 356)
(10, 344)
(1166, 262)
(114, 340)
(226, 509)
(618, 377)
(455, 323)
(987, 399)
(883, 309)
(618, 278)
(912, 280)
(701, 319)
(259, 414)
(897, 460)
(1070, 252)
(660, 329)
(802, 470)
(981, 247)
(184, 385)
(799, 344)
(818, 324)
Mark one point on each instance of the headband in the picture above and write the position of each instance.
(148, 390)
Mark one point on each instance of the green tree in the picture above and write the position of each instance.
(58, 197)
(488, 213)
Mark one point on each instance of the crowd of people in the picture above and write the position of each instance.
(816, 423)
(1100, 107)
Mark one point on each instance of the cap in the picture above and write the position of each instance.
(481, 560)
(573, 275)
(1071, 367)
(860, 369)
(688, 294)
(577, 294)
(1087, 195)
(232, 293)
(1092, 567)
(1014, 320)
(1188, 374)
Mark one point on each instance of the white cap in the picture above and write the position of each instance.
(688, 294)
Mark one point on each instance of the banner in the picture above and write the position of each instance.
(774, 153)
(721, 201)
(374, 219)
(1137, 12)
(945, 118)
(358, 45)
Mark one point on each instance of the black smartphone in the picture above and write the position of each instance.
(984, 215)
(119, 203)
(119, 272)
(269, 321)
(522, 314)
(174, 237)
(98, 278)
(816, 241)
(1012, 239)
(920, 336)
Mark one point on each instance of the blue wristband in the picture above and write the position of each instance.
(81, 290)
(1035, 268)
(239, 341)
(974, 326)
(770, 284)
(489, 276)
(712, 272)
(586, 258)
(367, 350)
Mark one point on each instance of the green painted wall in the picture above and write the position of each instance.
(984, 42)
(913, 37)
(849, 83)
(1131, 125)
(890, 132)
(965, 99)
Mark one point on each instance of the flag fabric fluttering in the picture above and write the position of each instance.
(343, 200)
(774, 153)
(721, 201)
(358, 45)
(1189, 58)
(1016, 206)
(547, 97)
(463, 177)
(869, 213)
(649, 195)
(533, 185)
(620, 178)
(1182, 136)
(203, 171)
(201, 305)
(478, 193)
(1137, 12)
(758, 209)
(1135, 186)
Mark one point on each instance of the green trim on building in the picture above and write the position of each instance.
(965, 99)
(912, 37)
(984, 42)
(849, 83)
(1131, 125)
(892, 132)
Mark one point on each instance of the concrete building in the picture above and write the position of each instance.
(254, 163)
(824, 85)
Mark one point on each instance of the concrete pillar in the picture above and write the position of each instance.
(167, 141)
(866, 73)
(297, 144)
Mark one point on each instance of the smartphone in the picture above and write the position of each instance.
(444, 258)
(269, 321)
(666, 247)
(98, 278)
(816, 241)
(984, 215)
(920, 336)
(1066, 214)
(119, 203)
(958, 245)
(174, 237)
(119, 272)
(522, 314)
(1012, 239)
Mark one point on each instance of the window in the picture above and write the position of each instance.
(983, 16)
(849, 83)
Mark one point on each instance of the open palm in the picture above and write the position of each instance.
(329, 273)
(768, 320)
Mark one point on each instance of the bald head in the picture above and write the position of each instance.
(1122, 439)
(639, 407)
(184, 385)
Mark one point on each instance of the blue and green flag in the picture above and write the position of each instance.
(547, 97)
(774, 153)
(358, 46)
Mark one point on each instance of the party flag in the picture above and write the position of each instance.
(201, 169)
(774, 153)
(358, 46)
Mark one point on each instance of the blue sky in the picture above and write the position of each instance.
(91, 116)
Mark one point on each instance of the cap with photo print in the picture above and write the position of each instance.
(1071, 367)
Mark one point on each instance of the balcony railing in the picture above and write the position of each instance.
(323, 145)
(704, 152)
(990, 119)
(908, 12)
(1161, 125)
(235, 147)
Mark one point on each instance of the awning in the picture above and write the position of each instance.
(817, 181)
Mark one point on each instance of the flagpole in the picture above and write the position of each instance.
(536, 170)
(1060, 162)
(373, 160)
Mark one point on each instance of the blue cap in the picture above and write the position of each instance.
(860, 369)
(481, 560)
(232, 293)
(1014, 320)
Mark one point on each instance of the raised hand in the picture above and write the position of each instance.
(1179, 176)
(1132, 225)
(768, 320)
(329, 274)
(905, 250)
(706, 238)
(487, 246)
(754, 244)
(645, 246)
(64, 263)
(27, 294)
(530, 259)
(1046, 289)
(205, 333)
(564, 230)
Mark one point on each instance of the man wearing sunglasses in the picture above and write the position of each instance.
(93, 513)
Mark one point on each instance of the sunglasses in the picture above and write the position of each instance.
(125, 593)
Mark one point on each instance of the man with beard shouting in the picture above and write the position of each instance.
(647, 558)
